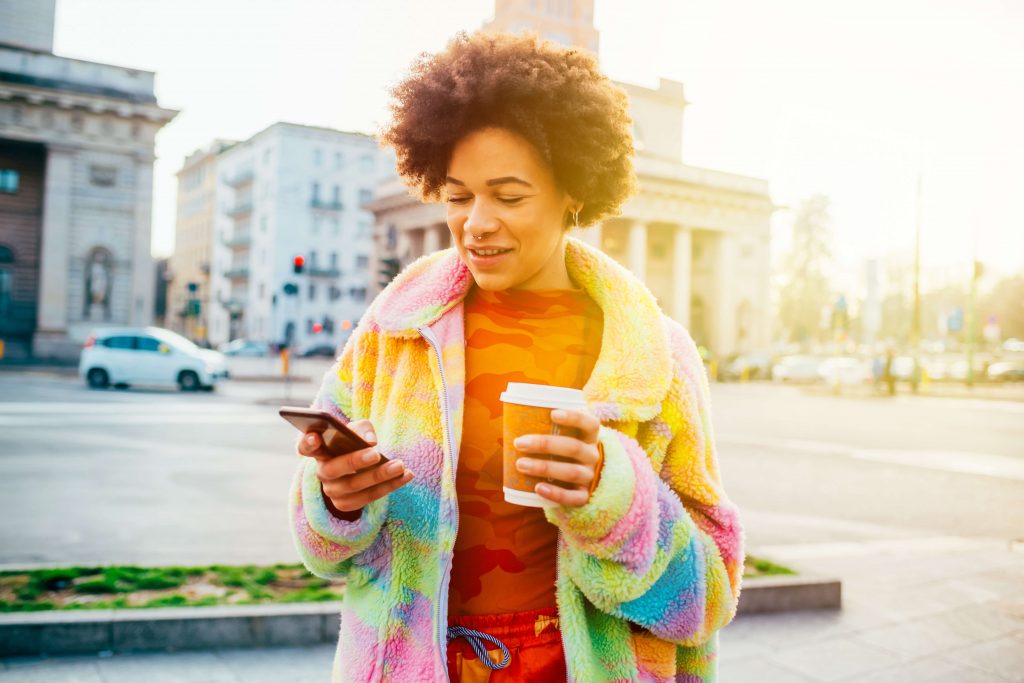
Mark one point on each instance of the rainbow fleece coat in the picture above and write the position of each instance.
(648, 570)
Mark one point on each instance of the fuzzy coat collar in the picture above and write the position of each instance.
(634, 368)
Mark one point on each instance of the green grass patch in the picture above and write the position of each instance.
(129, 587)
(758, 566)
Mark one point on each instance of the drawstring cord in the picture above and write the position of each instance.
(476, 639)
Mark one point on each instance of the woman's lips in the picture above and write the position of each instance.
(490, 260)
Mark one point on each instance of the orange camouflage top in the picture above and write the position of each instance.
(505, 553)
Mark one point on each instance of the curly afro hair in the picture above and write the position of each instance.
(555, 97)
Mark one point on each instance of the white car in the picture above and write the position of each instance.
(149, 355)
(796, 369)
(245, 347)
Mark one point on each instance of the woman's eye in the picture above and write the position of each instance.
(511, 200)
(458, 200)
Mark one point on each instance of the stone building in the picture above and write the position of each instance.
(76, 180)
(699, 238)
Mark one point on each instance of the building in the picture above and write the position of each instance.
(292, 191)
(76, 181)
(189, 268)
(698, 237)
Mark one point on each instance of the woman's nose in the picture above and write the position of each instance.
(480, 219)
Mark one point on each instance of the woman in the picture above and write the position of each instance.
(637, 565)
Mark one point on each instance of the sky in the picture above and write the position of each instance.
(853, 100)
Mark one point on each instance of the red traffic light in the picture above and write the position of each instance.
(317, 328)
(299, 261)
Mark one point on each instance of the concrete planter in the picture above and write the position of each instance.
(64, 632)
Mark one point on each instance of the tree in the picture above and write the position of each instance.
(805, 290)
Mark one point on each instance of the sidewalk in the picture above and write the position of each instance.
(918, 609)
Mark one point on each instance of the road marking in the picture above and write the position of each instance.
(22, 408)
(959, 462)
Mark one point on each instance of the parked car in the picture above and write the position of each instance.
(845, 371)
(151, 356)
(796, 369)
(245, 347)
(757, 366)
(321, 351)
(1006, 371)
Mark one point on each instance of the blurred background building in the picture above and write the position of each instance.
(272, 242)
(188, 274)
(76, 181)
(698, 237)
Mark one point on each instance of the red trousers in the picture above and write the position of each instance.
(532, 639)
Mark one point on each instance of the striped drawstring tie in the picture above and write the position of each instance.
(476, 639)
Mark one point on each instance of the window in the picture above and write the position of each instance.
(263, 291)
(122, 343)
(312, 292)
(102, 176)
(9, 181)
(365, 196)
(147, 344)
(316, 192)
(5, 292)
(312, 260)
(339, 159)
(316, 156)
(366, 163)
(336, 197)
(362, 261)
(334, 259)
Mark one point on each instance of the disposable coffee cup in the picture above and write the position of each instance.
(527, 410)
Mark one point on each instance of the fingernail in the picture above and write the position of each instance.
(368, 457)
(393, 468)
(543, 489)
(523, 442)
(559, 414)
(524, 465)
(370, 436)
(311, 439)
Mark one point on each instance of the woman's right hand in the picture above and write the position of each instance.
(351, 481)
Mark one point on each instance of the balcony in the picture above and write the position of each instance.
(325, 205)
(242, 177)
(237, 239)
(242, 208)
(237, 273)
(323, 271)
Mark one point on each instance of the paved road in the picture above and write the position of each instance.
(915, 503)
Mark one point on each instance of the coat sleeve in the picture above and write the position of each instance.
(662, 550)
(328, 546)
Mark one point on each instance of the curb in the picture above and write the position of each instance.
(774, 594)
(65, 632)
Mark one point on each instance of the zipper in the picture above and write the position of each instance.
(442, 602)
(558, 582)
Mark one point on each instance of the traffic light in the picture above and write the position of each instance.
(388, 271)
(317, 328)
(298, 263)
(291, 289)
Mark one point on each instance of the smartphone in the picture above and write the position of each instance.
(338, 438)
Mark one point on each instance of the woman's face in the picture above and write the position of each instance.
(506, 212)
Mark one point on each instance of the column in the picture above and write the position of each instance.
(724, 310)
(143, 267)
(682, 268)
(431, 239)
(638, 249)
(52, 313)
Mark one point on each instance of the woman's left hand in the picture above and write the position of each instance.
(572, 480)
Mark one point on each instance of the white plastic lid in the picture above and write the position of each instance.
(543, 396)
